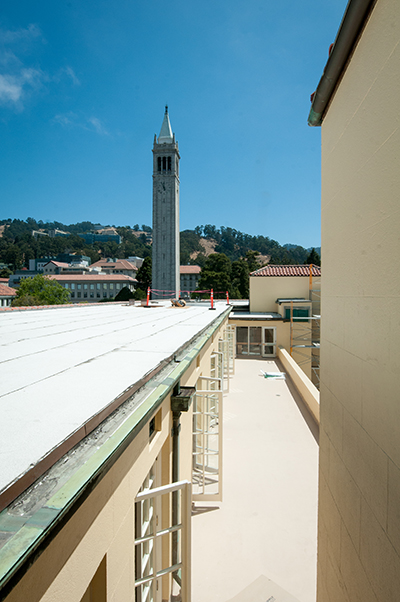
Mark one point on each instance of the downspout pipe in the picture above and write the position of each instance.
(176, 427)
(353, 22)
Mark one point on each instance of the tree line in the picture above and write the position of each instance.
(18, 246)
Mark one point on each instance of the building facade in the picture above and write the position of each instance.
(284, 311)
(165, 261)
(116, 266)
(189, 279)
(357, 106)
(93, 287)
(7, 294)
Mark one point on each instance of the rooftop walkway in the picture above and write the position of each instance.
(260, 543)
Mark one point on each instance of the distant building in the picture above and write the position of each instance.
(54, 233)
(55, 267)
(190, 276)
(72, 260)
(94, 287)
(19, 275)
(7, 294)
(38, 233)
(165, 270)
(116, 266)
(136, 261)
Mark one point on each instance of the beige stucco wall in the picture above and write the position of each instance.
(265, 290)
(101, 532)
(359, 517)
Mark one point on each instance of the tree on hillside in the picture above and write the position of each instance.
(313, 257)
(124, 294)
(216, 275)
(240, 279)
(13, 256)
(251, 260)
(40, 290)
(5, 273)
(143, 275)
(189, 243)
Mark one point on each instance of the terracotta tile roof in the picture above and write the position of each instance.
(287, 270)
(120, 264)
(4, 280)
(190, 269)
(58, 264)
(91, 277)
(7, 291)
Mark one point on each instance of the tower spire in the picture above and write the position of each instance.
(165, 136)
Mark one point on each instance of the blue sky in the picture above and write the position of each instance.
(83, 86)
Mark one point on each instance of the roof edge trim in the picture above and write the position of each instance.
(354, 20)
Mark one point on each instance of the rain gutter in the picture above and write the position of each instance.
(354, 20)
(31, 538)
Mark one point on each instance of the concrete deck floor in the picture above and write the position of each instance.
(260, 543)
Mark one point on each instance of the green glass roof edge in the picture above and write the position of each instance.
(27, 539)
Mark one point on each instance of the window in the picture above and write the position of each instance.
(85, 286)
(79, 286)
(98, 295)
(85, 294)
(104, 285)
(169, 163)
(72, 286)
(105, 294)
(111, 285)
(159, 163)
(92, 287)
(155, 424)
(91, 294)
(72, 294)
(98, 286)
(298, 312)
(66, 285)
(79, 294)
(256, 340)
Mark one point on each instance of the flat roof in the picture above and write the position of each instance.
(247, 315)
(63, 366)
(294, 300)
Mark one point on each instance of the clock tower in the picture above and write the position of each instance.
(165, 262)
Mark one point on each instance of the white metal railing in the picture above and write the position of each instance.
(156, 569)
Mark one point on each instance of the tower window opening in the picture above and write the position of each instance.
(164, 163)
(169, 163)
(159, 163)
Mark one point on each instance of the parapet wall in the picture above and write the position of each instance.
(303, 384)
